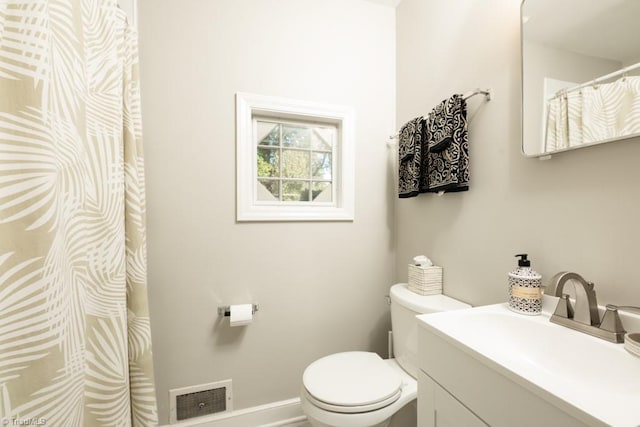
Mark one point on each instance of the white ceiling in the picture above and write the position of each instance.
(392, 3)
(602, 28)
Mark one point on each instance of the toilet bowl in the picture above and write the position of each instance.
(359, 388)
(355, 389)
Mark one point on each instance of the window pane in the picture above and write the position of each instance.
(321, 165)
(322, 139)
(296, 136)
(268, 134)
(321, 192)
(295, 164)
(295, 191)
(268, 162)
(268, 190)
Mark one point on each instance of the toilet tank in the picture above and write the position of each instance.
(405, 306)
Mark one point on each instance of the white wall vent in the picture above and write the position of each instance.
(200, 400)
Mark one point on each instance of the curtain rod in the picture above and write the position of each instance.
(597, 80)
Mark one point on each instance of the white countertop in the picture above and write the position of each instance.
(570, 369)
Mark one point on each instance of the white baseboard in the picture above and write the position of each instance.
(275, 414)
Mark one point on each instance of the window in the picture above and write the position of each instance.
(294, 160)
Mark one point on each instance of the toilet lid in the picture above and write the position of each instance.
(357, 379)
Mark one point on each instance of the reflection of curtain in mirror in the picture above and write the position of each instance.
(599, 105)
(573, 102)
(550, 140)
(557, 137)
(611, 110)
(631, 118)
(594, 113)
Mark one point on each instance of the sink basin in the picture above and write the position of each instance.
(571, 370)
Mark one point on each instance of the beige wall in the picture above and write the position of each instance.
(320, 286)
(577, 211)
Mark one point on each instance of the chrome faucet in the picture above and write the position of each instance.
(585, 318)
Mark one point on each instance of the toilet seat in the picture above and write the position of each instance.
(351, 382)
(352, 409)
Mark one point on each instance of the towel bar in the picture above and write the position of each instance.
(486, 93)
(478, 91)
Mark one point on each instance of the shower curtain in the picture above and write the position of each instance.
(75, 341)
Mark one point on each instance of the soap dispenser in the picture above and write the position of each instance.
(525, 293)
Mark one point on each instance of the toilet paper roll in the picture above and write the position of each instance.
(241, 314)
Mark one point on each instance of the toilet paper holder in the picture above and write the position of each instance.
(225, 310)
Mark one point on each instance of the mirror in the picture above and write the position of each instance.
(580, 73)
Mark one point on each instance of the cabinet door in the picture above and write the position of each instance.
(438, 408)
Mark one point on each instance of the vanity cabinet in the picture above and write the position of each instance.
(457, 388)
(437, 408)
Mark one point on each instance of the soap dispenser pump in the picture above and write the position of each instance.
(525, 293)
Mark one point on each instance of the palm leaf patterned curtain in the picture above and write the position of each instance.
(593, 114)
(75, 342)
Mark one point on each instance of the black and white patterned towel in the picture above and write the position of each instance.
(410, 157)
(446, 157)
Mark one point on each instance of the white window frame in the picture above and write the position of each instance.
(251, 106)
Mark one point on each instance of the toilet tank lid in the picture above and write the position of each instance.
(423, 304)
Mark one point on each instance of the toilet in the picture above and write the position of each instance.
(359, 388)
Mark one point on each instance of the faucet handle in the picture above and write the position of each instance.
(564, 309)
(625, 307)
(611, 320)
